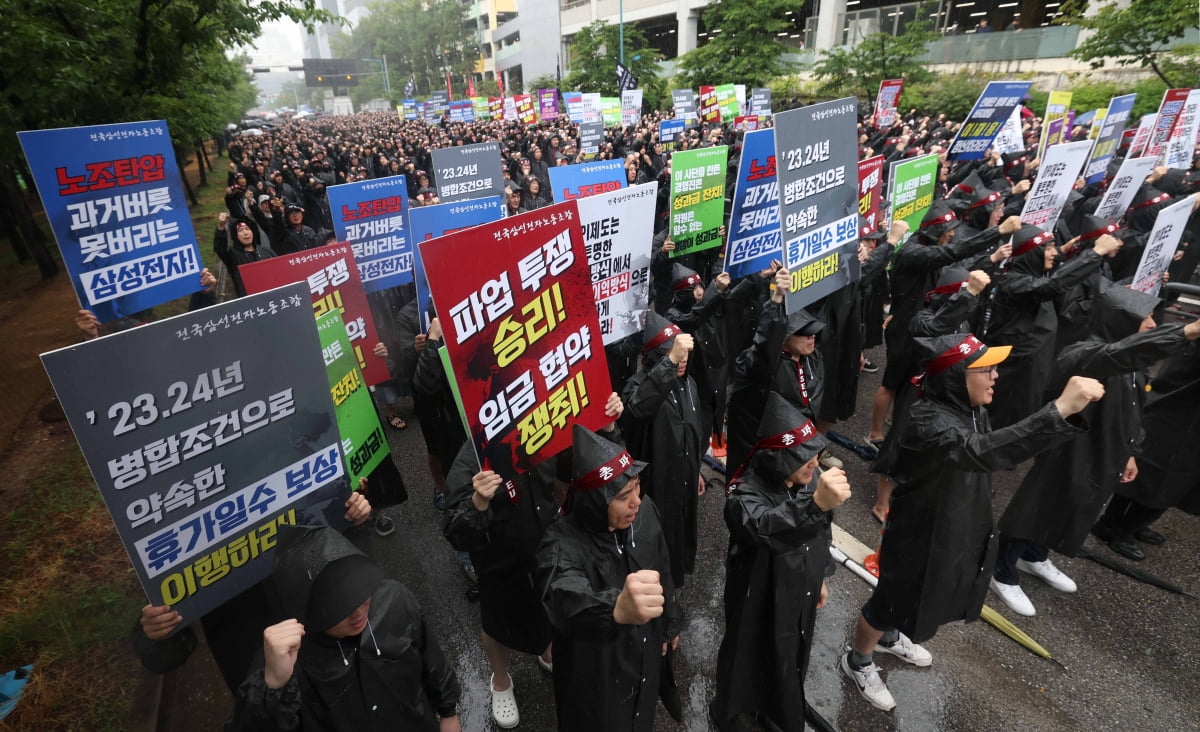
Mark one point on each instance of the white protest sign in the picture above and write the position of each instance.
(1009, 140)
(1124, 187)
(1161, 246)
(1058, 173)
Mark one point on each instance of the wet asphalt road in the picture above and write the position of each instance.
(1129, 649)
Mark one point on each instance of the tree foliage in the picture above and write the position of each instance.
(595, 51)
(1137, 33)
(746, 50)
(857, 70)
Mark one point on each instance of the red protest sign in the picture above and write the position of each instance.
(870, 192)
(333, 280)
(515, 304)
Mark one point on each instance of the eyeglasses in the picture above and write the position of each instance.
(989, 370)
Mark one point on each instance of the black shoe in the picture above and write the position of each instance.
(1149, 536)
(1127, 548)
(1102, 532)
(473, 593)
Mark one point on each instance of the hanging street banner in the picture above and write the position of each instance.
(333, 282)
(870, 194)
(697, 199)
(1160, 247)
(816, 154)
(1168, 112)
(1057, 106)
(1124, 187)
(1055, 177)
(631, 107)
(433, 222)
(669, 131)
(202, 446)
(1105, 149)
(913, 183)
(617, 236)
(548, 104)
(114, 200)
(886, 102)
(754, 236)
(371, 216)
(363, 442)
(568, 182)
(468, 171)
(521, 330)
(983, 123)
(760, 102)
(1181, 147)
(684, 103)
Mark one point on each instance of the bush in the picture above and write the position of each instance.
(950, 94)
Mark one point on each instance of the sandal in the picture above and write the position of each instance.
(397, 422)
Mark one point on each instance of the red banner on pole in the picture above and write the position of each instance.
(870, 193)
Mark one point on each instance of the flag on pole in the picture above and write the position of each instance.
(449, 86)
(410, 86)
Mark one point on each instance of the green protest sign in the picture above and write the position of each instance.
(610, 111)
(727, 102)
(913, 184)
(697, 199)
(363, 441)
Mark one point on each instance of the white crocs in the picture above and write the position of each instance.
(504, 706)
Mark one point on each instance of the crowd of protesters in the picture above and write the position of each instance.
(1003, 342)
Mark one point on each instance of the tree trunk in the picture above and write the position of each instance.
(187, 184)
(26, 234)
(201, 159)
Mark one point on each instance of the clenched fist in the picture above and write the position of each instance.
(281, 645)
(683, 345)
(832, 489)
(1077, 394)
(641, 600)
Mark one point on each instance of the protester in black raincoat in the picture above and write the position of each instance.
(939, 548)
(356, 654)
(606, 587)
(1023, 316)
(1063, 493)
(782, 359)
(779, 535)
(662, 426)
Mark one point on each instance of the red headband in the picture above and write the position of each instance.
(690, 281)
(1097, 233)
(1038, 240)
(991, 198)
(961, 352)
(664, 335)
(948, 289)
(791, 438)
(1157, 199)
(943, 219)
(597, 477)
(1014, 164)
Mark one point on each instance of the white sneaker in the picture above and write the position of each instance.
(1014, 597)
(869, 684)
(828, 460)
(906, 651)
(1048, 573)
(504, 706)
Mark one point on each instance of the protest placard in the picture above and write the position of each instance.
(617, 236)
(371, 215)
(727, 102)
(1010, 140)
(631, 107)
(913, 183)
(816, 154)
(522, 334)
(710, 113)
(1057, 106)
(408, 109)
(697, 199)
(431, 222)
(754, 236)
(749, 123)
(1164, 124)
(1142, 136)
(496, 107)
(981, 126)
(574, 102)
(870, 194)
(760, 102)
(1181, 146)
(510, 110)
(1124, 187)
(363, 443)
(886, 102)
(684, 103)
(464, 172)
(581, 180)
(1105, 149)
(593, 106)
(201, 445)
(548, 104)
(610, 111)
(1160, 247)
(527, 108)
(1055, 177)
(480, 107)
(591, 134)
(462, 110)
(113, 197)
(669, 131)
(333, 282)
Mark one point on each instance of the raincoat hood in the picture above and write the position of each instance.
(321, 576)
(602, 469)
(1118, 311)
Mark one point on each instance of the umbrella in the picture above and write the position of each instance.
(1137, 574)
(862, 451)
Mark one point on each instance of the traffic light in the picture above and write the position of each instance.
(327, 72)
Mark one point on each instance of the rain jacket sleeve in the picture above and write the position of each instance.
(1026, 288)
(925, 259)
(978, 451)
(780, 528)
(957, 308)
(464, 525)
(1100, 360)
(573, 607)
(643, 397)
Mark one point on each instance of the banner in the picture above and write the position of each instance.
(440, 99)
(371, 216)
(631, 107)
(333, 283)
(202, 445)
(1010, 140)
(625, 78)
(464, 172)
(409, 109)
(479, 105)
(710, 113)
(749, 123)
(910, 194)
(1142, 135)
(684, 103)
(727, 102)
(1160, 247)
(617, 235)
(697, 199)
(521, 331)
(1181, 146)
(669, 131)
(754, 235)
(591, 134)
(816, 151)
(610, 111)
(462, 110)
(510, 110)
(1057, 106)
(1105, 149)
(760, 102)
(526, 108)
(1168, 111)
(983, 123)
(568, 182)
(548, 104)
(593, 106)
(886, 102)
(363, 442)
(574, 102)
(870, 194)
(1124, 187)
(432, 222)
(114, 200)
(1055, 177)
(496, 107)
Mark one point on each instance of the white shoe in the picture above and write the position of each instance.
(504, 706)
(1014, 597)
(869, 684)
(547, 666)
(907, 651)
(1048, 573)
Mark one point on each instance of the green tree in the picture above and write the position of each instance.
(743, 47)
(858, 69)
(595, 51)
(1138, 33)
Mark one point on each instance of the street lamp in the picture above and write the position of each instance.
(387, 83)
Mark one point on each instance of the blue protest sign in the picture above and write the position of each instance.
(989, 114)
(370, 214)
(1119, 109)
(586, 179)
(431, 222)
(754, 237)
(669, 131)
